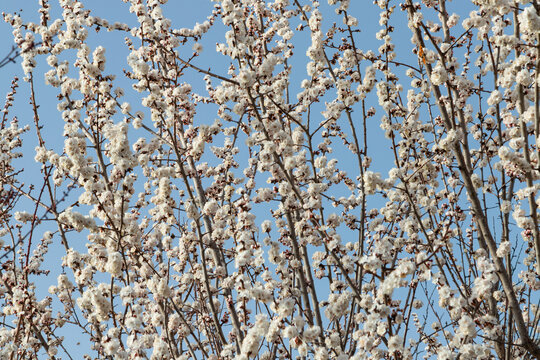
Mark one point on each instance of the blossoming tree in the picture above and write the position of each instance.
(267, 232)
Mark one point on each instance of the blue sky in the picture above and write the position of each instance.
(183, 14)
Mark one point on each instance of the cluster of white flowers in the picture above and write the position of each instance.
(77, 220)
(530, 20)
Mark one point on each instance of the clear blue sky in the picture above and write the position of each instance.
(183, 13)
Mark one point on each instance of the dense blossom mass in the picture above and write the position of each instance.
(322, 191)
